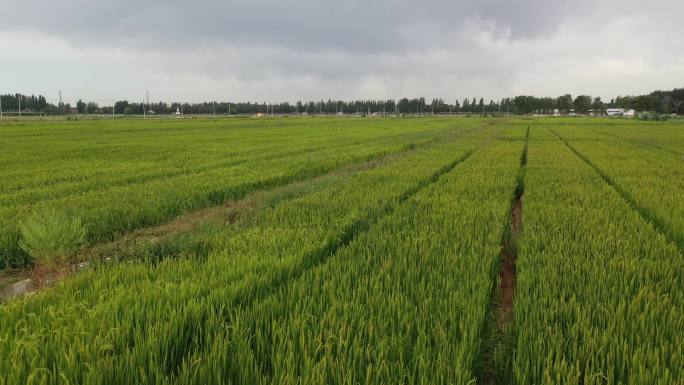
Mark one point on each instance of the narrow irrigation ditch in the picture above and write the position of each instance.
(650, 217)
(496, 357)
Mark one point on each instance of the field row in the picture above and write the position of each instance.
(598, 286)
(651, 178)
(126, 199)
(153, 313)
(389, 275)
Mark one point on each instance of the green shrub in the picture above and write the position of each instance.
(51, 236)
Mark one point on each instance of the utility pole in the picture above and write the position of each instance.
(113, 104)
(19, 98)
(214, 109)
(229, 109)
(0, 106)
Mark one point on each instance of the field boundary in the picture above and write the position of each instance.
(645, 214)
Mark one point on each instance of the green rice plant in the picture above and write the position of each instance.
(144, 320)
(598, 287)
(50, 236)
(125, 175)
(646, 172)
(405, 302)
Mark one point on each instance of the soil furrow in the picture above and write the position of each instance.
(497, 354)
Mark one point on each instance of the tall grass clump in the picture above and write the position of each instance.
(51, 236)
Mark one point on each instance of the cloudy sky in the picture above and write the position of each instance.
(270, 50)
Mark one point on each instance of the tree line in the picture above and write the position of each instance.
(659, 102)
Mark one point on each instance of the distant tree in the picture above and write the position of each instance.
(677, 104)
(598, 106)
(582, 104)
(80, 106)
(466, 105)
(564, 103)
(642, 103)
(666, 104)
(120, 106)
(404, 107)
(92, 107)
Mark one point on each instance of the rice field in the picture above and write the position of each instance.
(434, 250)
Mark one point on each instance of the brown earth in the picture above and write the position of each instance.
(507, 272)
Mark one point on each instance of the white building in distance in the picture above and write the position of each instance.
(620, 112)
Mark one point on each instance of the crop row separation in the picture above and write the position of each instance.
(313, 260)
(643, 143)
(179, 198)
(496, 359)
(177, 236)
(649, 216)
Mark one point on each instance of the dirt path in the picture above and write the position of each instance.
(507, 271)
(496, 360)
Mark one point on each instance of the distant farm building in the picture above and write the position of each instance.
(620, 112)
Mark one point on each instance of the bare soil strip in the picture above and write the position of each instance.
(507, 264)
(497, 355)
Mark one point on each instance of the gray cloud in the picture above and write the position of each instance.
(351, 48)
(350, 25)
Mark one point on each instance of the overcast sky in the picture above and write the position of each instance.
(271, 50)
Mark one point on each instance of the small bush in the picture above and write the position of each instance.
(654, 117)
(51, 236)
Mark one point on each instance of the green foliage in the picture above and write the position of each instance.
(384, 276)
(598, 284)
(654, 117)
(145, 321)
(118, 176)
(50, 236)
